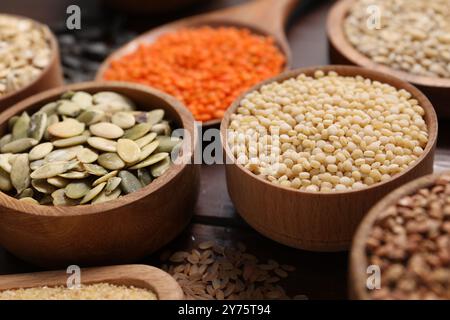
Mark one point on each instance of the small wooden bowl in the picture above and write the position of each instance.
(118, 231)
(358, 259)
(50, 77)
(262, 17)
(140, 276)
(319, 221)
(341, 51)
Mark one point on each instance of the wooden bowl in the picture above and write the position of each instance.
(262, 17)
(140, 276)
(317, 221)
(50, 77)
(341, 51)
(118, 231)
(358, 259)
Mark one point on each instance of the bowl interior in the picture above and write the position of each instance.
(430, 119)
(146, 99)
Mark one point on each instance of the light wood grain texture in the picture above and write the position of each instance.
(50, 77)
(266, 17)
(317, 221)
(140, 276)
(358, 258)
(341, 51)
(117, 231)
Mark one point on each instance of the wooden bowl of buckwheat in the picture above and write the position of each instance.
(310, 151)
(29, 59)
(93, 173)
(402, 247)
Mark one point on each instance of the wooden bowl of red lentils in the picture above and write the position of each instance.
(402, 247)
(310, 151)
(206, 65)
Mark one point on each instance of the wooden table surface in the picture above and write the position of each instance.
(318, 275)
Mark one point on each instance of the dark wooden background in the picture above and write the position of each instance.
(318, 275)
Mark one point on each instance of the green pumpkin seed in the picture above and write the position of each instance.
(68, 95)
(68, 142)
(124, 120)
(74, 175)
(167, 144)
(38, 125)
(5, 181)
(5, 140)
(111, 98)
(83, 99)
(138, 131)
(66, 129)
(66, 154)
(144, 176)
(4, 162)
(102, 144)
(19, 145)
(50, 170)
(77, 190)
(128, 150)
(106, 130)
(46, 200)
(89, 117)
(105, 178)
(87, 156)
(12, 121)
(94, 169)
(27, 193)
(129, 182)
(58, 182)
(160, 168)
(20, 173)
(42, 186)
(93, 193)
(37, 163)
(145, 140)
(150, 160)
(20, 128)
(148, 150)
(60, 199)
(155, 116)
(49, 108)
(104, 196)
(68, 108)
(162, 128)
(40, 151)
(111, 161)
(29, 200)
(112, 184)
(52, 119)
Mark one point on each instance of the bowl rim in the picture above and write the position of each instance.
(186, 123)
(336, 35)
(203, 20)
(430, 118)
(357, 256)
(54, 54)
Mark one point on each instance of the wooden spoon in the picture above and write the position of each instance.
(264, 17)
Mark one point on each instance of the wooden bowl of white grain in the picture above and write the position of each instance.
(49, 77)
(118, 231)
(317, 221)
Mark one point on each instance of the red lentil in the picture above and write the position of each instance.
(206, 68)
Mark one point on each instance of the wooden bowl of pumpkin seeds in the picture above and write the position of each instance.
(93, 173)
(30, 61)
